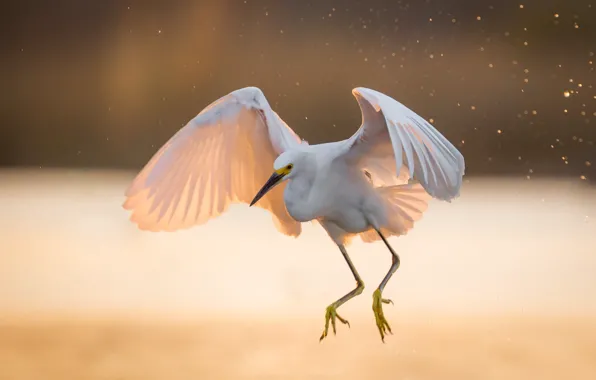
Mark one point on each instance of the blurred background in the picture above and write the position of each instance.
(499, 284)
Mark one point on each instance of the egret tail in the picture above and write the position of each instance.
(405, 204)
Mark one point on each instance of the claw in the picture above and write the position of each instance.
(331, 315)
(380, 320)
(342, 320)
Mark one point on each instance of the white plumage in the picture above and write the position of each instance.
(223, 155)
(374, 184)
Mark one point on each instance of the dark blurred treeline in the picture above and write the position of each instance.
(105, 83)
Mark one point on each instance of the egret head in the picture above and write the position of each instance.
(284, 168)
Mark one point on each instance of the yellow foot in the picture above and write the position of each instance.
(330, 315)
(377, 307)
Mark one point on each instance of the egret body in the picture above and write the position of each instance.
(375, 184)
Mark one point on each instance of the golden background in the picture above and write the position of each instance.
(498, 284)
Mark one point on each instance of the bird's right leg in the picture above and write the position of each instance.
(331, 312)
(378, 301)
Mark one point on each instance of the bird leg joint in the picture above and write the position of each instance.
(359, 288)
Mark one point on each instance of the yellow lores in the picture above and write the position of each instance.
(360, 186)
(285, 170)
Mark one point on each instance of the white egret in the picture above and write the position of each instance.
(375, 184)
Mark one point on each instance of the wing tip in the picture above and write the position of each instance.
(449, 194)
(247, 91)
(359, 92)
(150, 225)
(363, 93)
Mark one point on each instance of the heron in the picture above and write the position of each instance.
(374, 185)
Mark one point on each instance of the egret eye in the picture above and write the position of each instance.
(289, 167)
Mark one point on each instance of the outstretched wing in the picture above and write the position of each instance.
(395, 143)
(222, 156)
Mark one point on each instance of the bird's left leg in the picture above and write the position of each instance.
(378, 301)
(331, 312)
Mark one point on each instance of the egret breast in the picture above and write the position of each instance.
(350, 219)
(298, 210)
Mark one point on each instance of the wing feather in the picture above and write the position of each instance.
(392, 134)
(220, 157)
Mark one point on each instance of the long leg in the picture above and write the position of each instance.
(331, 312)
(378, 301)
(394, 263)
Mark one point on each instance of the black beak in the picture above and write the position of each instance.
(270, 184)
